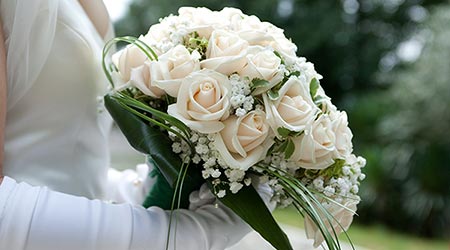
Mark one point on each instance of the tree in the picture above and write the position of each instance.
(410, 168)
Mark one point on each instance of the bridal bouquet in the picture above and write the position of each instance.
(221, 97)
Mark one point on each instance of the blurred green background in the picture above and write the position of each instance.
(387, 63)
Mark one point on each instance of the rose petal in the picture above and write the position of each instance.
(206, 127)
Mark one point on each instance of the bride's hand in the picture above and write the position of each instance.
(129, 186)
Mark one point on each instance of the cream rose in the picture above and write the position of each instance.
(201, 20)
(294, 108)
(128, 58)
(315, 148)
(263, 64)
(225, 53)
(172, 67)
(343, 134)
(244, 141)
(251, 29)
(286, 48)
(342, 214)
(203, 101)
(141, 79)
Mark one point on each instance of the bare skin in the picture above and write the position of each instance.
(95, 10)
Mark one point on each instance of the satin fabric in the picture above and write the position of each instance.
(36, 218)
(56, 130)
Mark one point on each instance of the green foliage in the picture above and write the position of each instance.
(406, 141)
(252, 209)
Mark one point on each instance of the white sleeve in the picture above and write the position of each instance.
(36, 218)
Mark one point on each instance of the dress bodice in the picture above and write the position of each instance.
(56, 134)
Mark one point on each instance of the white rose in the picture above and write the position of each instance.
(203, 101)
(128, 58)
(157, 33)
(286, 48)
(326, 105)
(244, 141)
(251, 29)
(315, 148)
(344, 135)
(201, 20)
(343, 215)
(225, 53)
(172, 67)
(141, 79)
(263, 64)
(230, 14)
(294, 108)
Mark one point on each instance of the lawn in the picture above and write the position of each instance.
(374, 237)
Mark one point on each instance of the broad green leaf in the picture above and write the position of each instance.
(284, 132)
(290, 148)
(250, 207)
(152, 141)
(313, 87)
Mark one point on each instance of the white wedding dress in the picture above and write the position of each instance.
(57, 136)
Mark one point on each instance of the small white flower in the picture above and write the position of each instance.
(362, 177)
(196, 159)
(235, 78)
(346, 170)
(240, 112)
(205, 174)
(235, 187)
(176, 147)
(318, 183)
(202, 140)
(216, 173)
(194, 137)
(329, 191)
(221, 193)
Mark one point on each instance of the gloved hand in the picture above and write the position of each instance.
(36, 218)
(128, 186)
(205, 196)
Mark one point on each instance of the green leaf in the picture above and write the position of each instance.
(290, 148)
(259, 83)
(284, 132)
(248, 205)
(313, 87)
(281, 58)
(273, 94)
(152, 141)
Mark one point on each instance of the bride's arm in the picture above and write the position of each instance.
(2, 95)
(36, 218)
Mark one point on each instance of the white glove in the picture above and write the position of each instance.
(36, 218)
(129, 186)
(205, 196)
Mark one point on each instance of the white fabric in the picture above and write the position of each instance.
(129, 186)
(35, 218)
(55, 135)
(29, 28)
